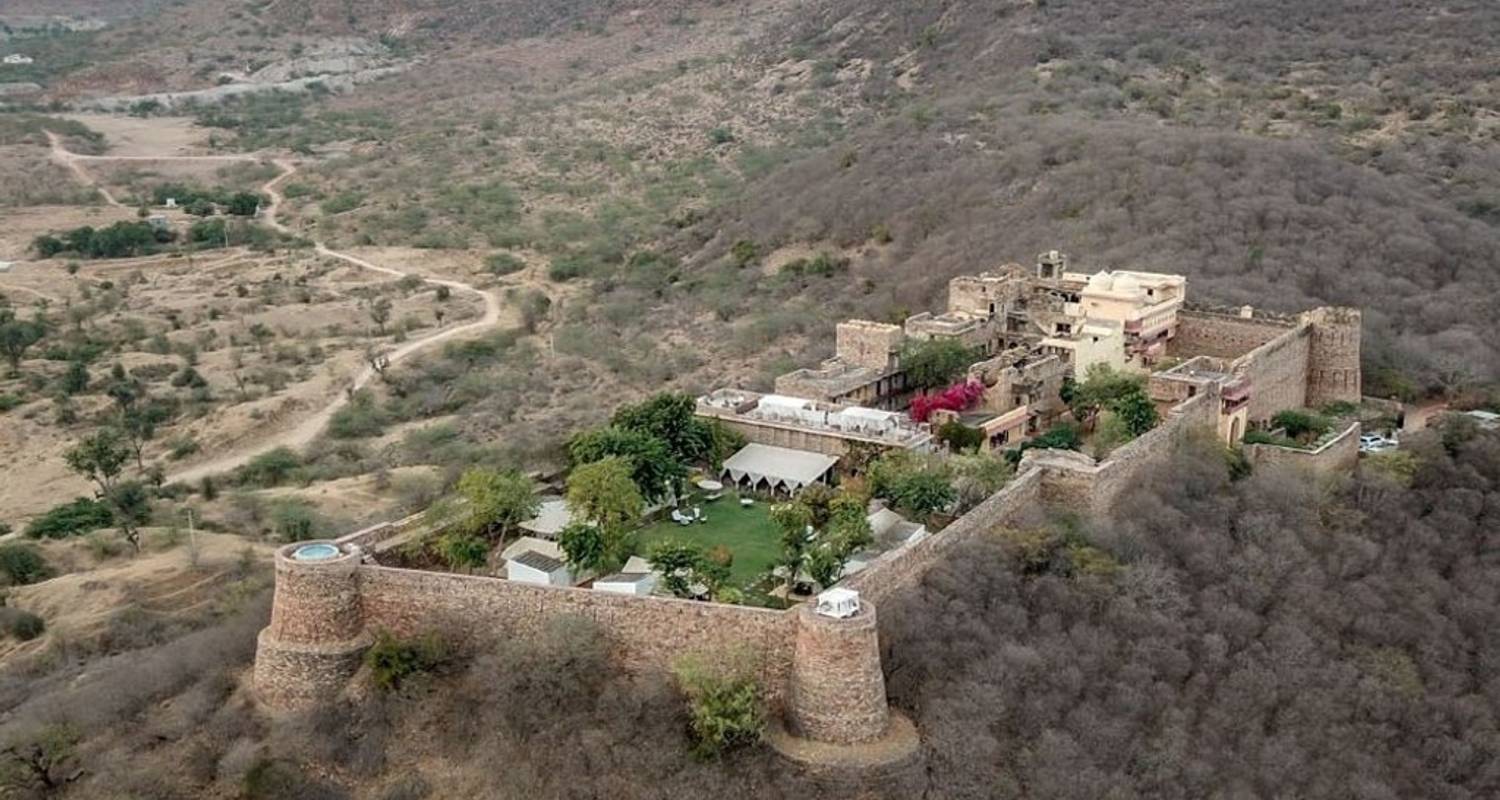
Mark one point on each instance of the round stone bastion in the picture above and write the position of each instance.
(316, 638)
(839, 728)
(837, 688)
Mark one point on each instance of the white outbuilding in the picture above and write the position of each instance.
(539, 569)
(640, 584)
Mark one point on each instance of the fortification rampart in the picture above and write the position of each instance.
(1075, 482)
(1224, 334)
(1277, 371)
(1337, 456)
(899, 569)
(823, 675)
(645, 633)
(1333, 369)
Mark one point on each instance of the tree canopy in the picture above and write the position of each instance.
(930, 363)
(496, 501)
(657, 473)
(604, 493)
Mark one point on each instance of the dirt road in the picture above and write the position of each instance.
(307, 430)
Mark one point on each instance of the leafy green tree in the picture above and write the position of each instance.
(139, 423)
(294, 520)
(243, 204)
(586, 547)
(725, 704)
(932, 363)
(462, 551)
(1100, 389)
(603, 493)
(825, 565)
(1110, 432)
(497, 500)
(101, 458)
(76, 379)
(976, 476)
(1300, 425)
(18, 335)
(131, 503)
(959, 437)
(657, 473)
(670, 417)
(849, 526)
(1136, 412)
(682, 565)
(923, 493)
(794, 520)
(123, 388)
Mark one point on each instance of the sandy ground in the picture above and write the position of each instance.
(181, 579)
(22, 225)
(134, 137)
(228, 436)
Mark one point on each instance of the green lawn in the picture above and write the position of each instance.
(747, 532)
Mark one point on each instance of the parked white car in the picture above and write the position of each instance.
(1375, 443)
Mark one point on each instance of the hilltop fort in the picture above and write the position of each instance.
(1031, 333)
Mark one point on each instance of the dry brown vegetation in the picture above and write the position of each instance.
(629, 179)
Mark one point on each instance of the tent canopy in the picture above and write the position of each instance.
(777, 467)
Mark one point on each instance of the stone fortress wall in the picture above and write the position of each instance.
(1307, 360)
(325, 613)
(1335, 457)
(822, 675)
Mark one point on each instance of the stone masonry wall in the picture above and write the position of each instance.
(1278, 373)
(647, 633)
(1075, 481)
(837, 689)
(312, 646)
(1337, 457)
(1209, 333)
(868, 344)
(783, 436)
(1333, 369)
(898, 570)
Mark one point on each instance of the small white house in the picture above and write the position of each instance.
(640, 584)
(839, 603)
(539, 569)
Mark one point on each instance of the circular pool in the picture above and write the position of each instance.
(315, 552)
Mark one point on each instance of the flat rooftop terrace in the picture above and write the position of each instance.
(835, 377)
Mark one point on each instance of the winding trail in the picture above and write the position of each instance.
(308, 429)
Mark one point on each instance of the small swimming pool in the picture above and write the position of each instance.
(315, 552)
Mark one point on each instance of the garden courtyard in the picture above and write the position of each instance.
(746, 531)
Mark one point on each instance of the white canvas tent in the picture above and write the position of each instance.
(761, 467)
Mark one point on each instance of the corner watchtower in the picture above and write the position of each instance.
(839, 727)
(316, 638)
(1333, 371)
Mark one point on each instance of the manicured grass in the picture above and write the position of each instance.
(747, 532)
